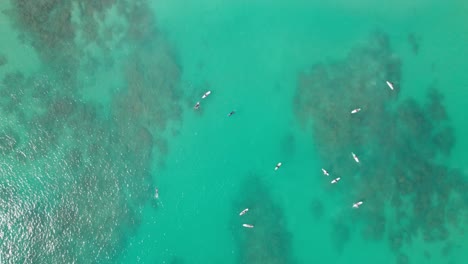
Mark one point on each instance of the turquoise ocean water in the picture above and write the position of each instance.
(104, 159)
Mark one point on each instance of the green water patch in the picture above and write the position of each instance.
(402, 145)
(268, 241)
(77, 161)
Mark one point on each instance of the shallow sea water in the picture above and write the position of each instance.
(96, 113)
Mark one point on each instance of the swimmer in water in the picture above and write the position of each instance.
(206, 94)
(247, 226)
(231, 113)
(355, 157)
(244, 211)
(278, 166)
(325, 172)
(335, 180)
(356, 205)
(156, 197)
(355, 110)
(197, 105)
(390, 85)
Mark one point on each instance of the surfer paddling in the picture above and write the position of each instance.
(278, 166)
(197, 105)
(205, 95)
(356, 205)
(355, 157)
(247, 226)
(325, 172)
(354, 111)
(335, 180)
(244, 211)
(156, 198)
(390, 85)
(231, 113)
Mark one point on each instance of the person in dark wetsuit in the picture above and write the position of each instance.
(197, 105)
(231, 113)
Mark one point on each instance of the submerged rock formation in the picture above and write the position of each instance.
(402, 145)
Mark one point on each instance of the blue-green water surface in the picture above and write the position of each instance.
(103, 158)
